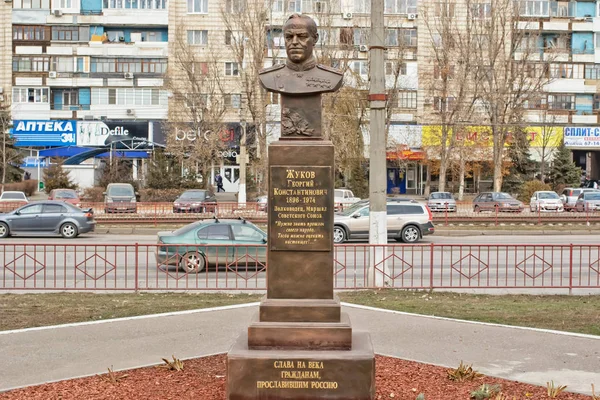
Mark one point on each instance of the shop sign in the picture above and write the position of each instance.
(103, 133)
(582, 137)
(481, 136)
(30, 133)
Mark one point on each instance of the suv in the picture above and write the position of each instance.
(120, 197)
(407, 221)
(569, 196)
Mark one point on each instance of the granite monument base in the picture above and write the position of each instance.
(302, 374)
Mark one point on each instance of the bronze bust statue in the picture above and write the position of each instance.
(301, 80)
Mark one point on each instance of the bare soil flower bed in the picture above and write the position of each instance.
(204, 378)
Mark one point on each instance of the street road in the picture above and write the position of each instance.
(113, 262)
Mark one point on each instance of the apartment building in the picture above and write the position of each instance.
(215, 32)
(88, 76)
(5, 52)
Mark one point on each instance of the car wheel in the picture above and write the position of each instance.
(410, 234)
(477, 209)
(4, 232)
(68, 230)
(339, 234)
(192, 263)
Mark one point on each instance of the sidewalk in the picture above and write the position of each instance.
(40, 355)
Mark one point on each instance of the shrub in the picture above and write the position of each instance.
(530, 187)
(28, 187)
(55, 177)
(93, 194)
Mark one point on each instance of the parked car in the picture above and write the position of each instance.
(441, 201)
(13, 197)
(343, 198)
(407, 221)
(490, 201)
(570, 195)
(195, 201)
(546, 201)
(262, 203)
(588, 201)
(66, 195)
(120, 197)
(197, 252)
(47, 217)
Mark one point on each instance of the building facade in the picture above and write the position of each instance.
(91, 68)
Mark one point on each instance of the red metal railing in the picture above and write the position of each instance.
(159, 267)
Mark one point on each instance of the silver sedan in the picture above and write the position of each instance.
(47, 218)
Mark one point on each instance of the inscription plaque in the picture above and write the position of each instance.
(301, 208)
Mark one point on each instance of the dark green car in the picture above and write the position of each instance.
(232, 243)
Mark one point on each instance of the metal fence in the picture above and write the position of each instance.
(136, 267)
(164, 213)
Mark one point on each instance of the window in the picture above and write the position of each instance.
(71, 33)
(443, 104)
(233, 100)
(231, 69)
(346, 37)
(33, 209)
(70, 98)
(246, 232)
(444, 9)
(137, 4)
(25, 32)
(32, 4)
(214, 232)
(129, 96)
(571, 71)
(360, 36)
(362, 6)
(561, 102)
(278, 6)
(200, 68)
(407, 100)
(535, 104)
(360, 67)
(31, 63)
(481, 10)
(197, 37)
(393, 68)
(400, 6)
(228, 37)
(275, 38)
(54, 209)
(408, 37)
(134, 65)
(62, 64)
(63, 3)
(324, 36)
(563, 8)
(197, 6)
(534, 8)
(320, 6)
(592, 71)
(30, 95)
(294, 6)
(235, 6)
(596, 104)
(391, 37)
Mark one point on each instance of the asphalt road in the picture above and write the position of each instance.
(113, 262)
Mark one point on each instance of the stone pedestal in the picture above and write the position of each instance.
(300, 345)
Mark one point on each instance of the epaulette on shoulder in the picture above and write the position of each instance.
(273, 68)
(330, 69)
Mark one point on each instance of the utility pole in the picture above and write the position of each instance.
(377, 160)
(242, 156)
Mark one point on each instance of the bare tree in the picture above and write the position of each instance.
(545, 141)
(198, 104)
(512, 71)
(448, 75)
(10, 155)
